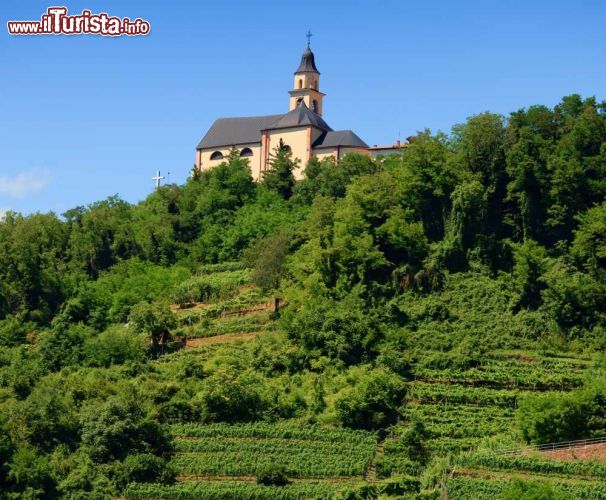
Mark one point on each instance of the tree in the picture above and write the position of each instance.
(154, 320)
(373, 402)
(13, 331)
(32, 266)
(589, 245)
(30, 474)
(326, 178)
(231, 397)
(119, 427)
(267, 258)
(530, 264)
(279, 177)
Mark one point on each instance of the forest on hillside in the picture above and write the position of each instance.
(454, 262)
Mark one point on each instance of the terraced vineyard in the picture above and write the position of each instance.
(484, 475)
(219, 461)
(221, 303)
(460, 410)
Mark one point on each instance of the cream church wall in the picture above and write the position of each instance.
(298, 140)
(204, 162)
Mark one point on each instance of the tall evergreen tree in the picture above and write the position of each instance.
(280, 176)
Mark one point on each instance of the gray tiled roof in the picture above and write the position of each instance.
(308, 62)
(300, 116)
(332, 139)
(232, 131)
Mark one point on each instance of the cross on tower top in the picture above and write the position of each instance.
(309, 35)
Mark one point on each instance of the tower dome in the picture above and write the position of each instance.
(308, 62)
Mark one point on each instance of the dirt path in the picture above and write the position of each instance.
(253, 479)
(221, 339)
(589, 452)
(522, 474)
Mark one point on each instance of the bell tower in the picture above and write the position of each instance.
(307, 83)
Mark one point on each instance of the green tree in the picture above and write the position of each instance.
(326, 178)
(279, 177)
(30, 474)
(267, 257)
(589, 245)
(153, 320)
(119, 427)
(531, 263)
(373, 402)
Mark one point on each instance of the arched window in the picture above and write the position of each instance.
(314, 106)
(299, 101)
(217, 155)
(246, 152)
(300, 83)
(315, 84)
(286, 147)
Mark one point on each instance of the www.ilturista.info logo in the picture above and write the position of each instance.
(56, 22)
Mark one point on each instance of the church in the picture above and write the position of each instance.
(302, 129)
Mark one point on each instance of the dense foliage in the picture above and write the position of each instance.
(412, 285)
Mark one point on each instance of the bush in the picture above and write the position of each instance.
(114, 347)
(13, 331)
(579, 414)
(119, 427)
(144, 468)
(400, 485)
(30, 473)
(372, 403)
(231, 397)
(524, 490)
(273, 476)
(202, 289)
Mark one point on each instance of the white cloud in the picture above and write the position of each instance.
(26, 183)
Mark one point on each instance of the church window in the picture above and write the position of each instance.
(314, 106)
(286, 147)
(246, 152)
(315, 84)
(300, 83)
(299, 101)
(217, 155)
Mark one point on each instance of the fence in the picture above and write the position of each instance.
(562, 445)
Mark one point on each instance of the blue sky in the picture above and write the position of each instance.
(85, 117)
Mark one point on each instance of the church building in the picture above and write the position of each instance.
(302, 129)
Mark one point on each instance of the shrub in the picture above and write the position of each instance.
(373, 402)
(400, 485)
(524, 490)
(273, 476)
(202, 289)
(144, 468)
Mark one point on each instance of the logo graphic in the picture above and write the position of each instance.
(56, 22)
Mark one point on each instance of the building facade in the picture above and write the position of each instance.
(302, 129)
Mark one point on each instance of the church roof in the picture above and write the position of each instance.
(300, 116)
(308, 62)
(335, 138)
(232, 131)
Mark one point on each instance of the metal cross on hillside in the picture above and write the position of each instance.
(157, 178)
(309, 35)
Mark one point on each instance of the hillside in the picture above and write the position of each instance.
(381, 328)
